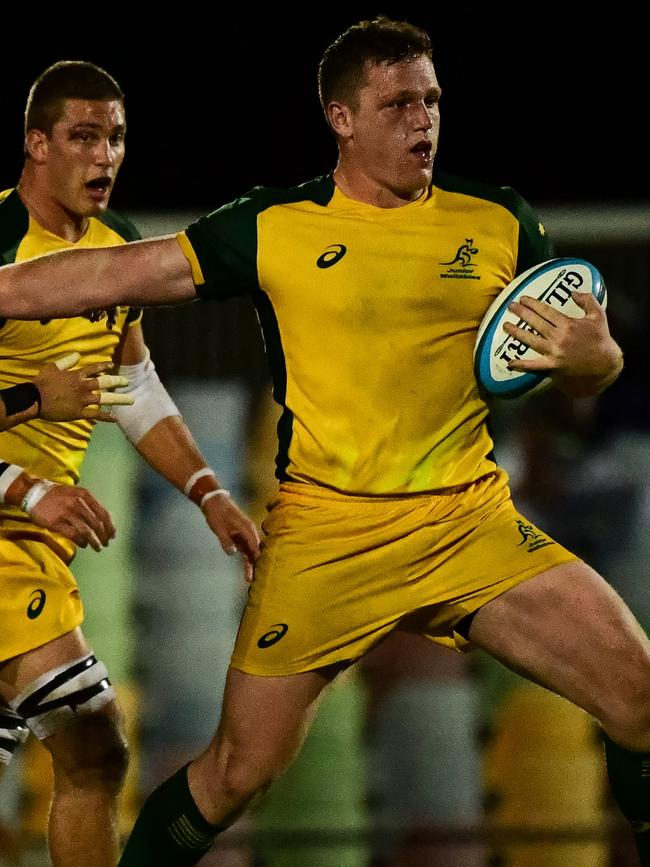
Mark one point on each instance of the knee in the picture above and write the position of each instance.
(242, 778)
(94, 752)
(626, 719)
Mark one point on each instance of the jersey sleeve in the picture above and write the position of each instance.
(534, 246)
(222, 249)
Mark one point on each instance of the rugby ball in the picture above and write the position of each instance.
(551, 282)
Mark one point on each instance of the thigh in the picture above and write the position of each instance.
(20, 671)
(568, 630)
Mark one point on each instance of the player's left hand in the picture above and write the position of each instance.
(68, 394)
(235, 531)
(568, 348)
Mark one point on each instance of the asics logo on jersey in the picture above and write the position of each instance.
(275, 633)
(37, 604)
(463, 254)
(333, 254)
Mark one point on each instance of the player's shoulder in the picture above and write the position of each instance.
(120, 224)
(505, 196)
(318, 190)
(14, 224)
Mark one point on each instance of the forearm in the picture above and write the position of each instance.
(142, 273)
(170, 449)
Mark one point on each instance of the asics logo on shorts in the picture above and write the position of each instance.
(36, 604)
(333, 254)
(275, 633)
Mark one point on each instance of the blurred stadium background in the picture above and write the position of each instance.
(419, 758)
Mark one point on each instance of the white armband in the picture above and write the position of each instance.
(151, 403)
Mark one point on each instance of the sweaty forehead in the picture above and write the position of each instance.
(105, 113)
(416, 74)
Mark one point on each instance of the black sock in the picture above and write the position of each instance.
(629, 778)
(170, 830)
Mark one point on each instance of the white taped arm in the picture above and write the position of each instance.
(151, 402)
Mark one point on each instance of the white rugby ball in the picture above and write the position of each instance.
(551, 282)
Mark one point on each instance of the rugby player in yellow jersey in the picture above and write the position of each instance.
(50, 681)
(370, 284)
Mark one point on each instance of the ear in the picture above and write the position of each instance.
(340, 118)
(36, 145)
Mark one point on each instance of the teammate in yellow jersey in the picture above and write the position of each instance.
(370, 284)
(50, 681)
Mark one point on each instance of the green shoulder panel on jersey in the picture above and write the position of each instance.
(120, 224)
(14, 224)
(225, 241)
(534, 244)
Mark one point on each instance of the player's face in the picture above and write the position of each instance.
(396, 125)
(84, 154)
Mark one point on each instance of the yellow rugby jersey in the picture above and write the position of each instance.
(53, 450)
(369, 318)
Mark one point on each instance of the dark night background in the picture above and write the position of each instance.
(218, 101)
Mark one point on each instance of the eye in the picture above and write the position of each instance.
(117, 139)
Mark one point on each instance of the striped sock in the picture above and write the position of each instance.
(170, 831)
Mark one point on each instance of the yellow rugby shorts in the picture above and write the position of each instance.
(338, 572)
(39, 597)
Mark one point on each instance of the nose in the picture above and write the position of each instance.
(423, 119)
(104, 153)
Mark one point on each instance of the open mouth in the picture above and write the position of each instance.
(100, 185)
(422, 149)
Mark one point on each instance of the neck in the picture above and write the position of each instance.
(355, 184)
(47, 211)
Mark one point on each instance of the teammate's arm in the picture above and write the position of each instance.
(142, 273)
(160, 435)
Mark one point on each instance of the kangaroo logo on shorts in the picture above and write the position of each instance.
(531, 537)
(36, 604)
(275, 633)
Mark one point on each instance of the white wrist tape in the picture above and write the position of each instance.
(199, 474)
(35, 494)
(8, 475)
(219, 492)
(151, 402)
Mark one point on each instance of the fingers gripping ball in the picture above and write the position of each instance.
(550, 282)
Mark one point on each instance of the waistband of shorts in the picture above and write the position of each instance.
(320, 492)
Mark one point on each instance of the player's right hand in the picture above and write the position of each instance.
(76, 514)
(71, 394)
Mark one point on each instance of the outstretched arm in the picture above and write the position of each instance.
(142, 273)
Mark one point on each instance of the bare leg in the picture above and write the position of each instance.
(263, 725)
(88, 760)
(569, 631)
